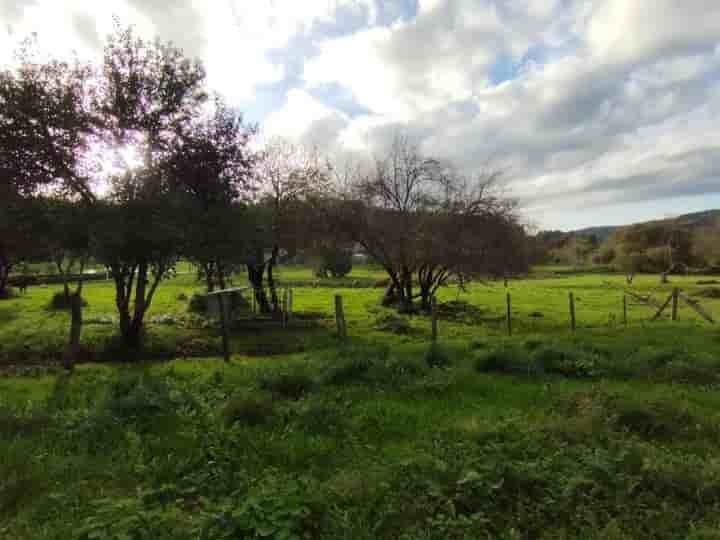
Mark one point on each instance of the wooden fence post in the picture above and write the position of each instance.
(625, 320)
(223, 324)
(284, 307)
(675, 294)
(340, 317)
(509, 317)
(433, 320)
(572, 311)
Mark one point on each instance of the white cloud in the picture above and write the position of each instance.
(605, 100)
(633, 30)
(304, 117)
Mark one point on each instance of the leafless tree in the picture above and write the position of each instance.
(290, 175)
(425, 223)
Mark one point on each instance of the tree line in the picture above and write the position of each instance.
(132, 162)
(658, 247)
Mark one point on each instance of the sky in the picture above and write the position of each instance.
(599, 112)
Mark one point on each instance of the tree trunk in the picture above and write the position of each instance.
(220, 275)
(4, 275)
(255, 277)
(72, 350)
(406, 291)
(271, 279)
(426, 297)
(390, 297)
(209, 281)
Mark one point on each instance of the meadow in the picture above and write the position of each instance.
(609, 432)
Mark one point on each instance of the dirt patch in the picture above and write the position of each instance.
(462, 312)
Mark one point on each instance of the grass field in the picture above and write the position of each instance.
(609, 433)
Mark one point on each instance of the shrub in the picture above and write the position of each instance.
(116, 349)
(505, 360)
(321, 419)
(352, 370)
(198, 304)
(209, 305)
(336, 262)
(437, 357)
(660, 420)
(60, 302)
(140, 399)
(248, 411)
(567, 362)
(288, 385)
(689, 372)
(396, 370)
(13, 424)
(7, 293)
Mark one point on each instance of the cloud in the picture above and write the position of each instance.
(583, 103)
(599, 119)
(307, 119)
(633, 31)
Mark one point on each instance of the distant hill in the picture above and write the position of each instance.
(695, 219)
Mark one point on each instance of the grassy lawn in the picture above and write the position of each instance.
(609, 433)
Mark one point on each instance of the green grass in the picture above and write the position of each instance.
(608, 433)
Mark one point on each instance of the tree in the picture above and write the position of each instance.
(424, 223)
(334, 260)
(139, 243)
(212, 168)
(148, 95)
(67, 228)
(18, 237)
(47, 125)
(706, 244)
(290, 176)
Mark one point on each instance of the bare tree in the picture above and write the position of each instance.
(425, 223)
(290, 175)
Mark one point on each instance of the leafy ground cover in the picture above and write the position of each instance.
(609, 433)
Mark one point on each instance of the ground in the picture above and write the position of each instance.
(608, 433)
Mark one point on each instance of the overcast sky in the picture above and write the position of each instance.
(601, 111)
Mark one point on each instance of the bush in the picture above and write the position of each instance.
(198, 304)
(337, 263)
(60, 302)
(506, 360)
(7, 293)
(348, 371)
(655, 420)
(567, 362)
(288, 385)
(321, 419)
(396, 370)
(248, 411)
(437, 357)
(140, 399)
(209, 305)
(13, 424)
